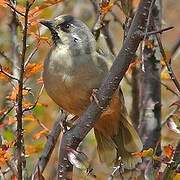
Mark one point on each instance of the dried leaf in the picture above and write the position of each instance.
(145, 153)
(165, 76)
(133, 65)
(106, 6)
(3, 76)
(29, 117)
(13, 177)
(32, 149)
(3, 3)
(172, 126)
(41, 133)
(4, 156)
(169, 151)
(13, 95)
(11, 120)
(3, 111)
(42, 104)
(149, 44)
(26, 105)
(32, 69)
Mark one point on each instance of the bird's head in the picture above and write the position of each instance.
(68, 30)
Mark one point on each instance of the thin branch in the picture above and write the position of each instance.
(42, 125)
(169, 116)
(12, 165)
(6, 171)
(2, 175)
(13, 8)
(170, 89)
(148, 20)
(170, 70)
(86, 122)
(108, 37)
(5, 56)
(30, 56)
(6, 113)
(50, 144)
(159, 31)
(8, 74)
(146, 31)
(37, 99)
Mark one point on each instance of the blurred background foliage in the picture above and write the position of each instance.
(38, 122)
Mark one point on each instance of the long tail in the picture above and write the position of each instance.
(115, 135)
(121, 145)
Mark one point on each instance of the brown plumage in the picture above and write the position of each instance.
(72, 70)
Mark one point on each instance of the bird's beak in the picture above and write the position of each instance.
(48, 23)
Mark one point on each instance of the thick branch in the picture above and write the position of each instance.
(74, 136)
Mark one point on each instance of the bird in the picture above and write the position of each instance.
(73, 70)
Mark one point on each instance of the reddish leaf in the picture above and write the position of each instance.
(32, 69)
(13, 177)
(29, 117)
(3, 111)
(32, 149)
(169, 151)
(145, 153)
(13, 95)
(106, 6)
(3, 76)
(3, 3)
(41, 133)
(165, 76)
(42, 104)
(4, 156)
(11, 120)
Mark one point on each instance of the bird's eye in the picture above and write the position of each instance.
(67, 26)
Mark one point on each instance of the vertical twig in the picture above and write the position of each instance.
(19, 141)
